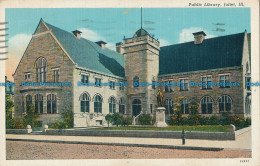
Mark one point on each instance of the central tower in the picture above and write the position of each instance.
(141, 54)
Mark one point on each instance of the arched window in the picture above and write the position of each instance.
(41, 69)
(98, 104)
(122, 105)
(224, 103)
(206, 105)
(51, 104)
(136, 81)
(185, 106)
(84, 102)
(169, 106)
(136, 106)
(112, 105)
(28, 102)
(39, 103)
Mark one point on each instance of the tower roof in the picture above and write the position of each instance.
(141, 32)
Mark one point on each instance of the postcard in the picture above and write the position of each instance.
(129, 82)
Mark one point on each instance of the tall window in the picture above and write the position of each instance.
(84, 79)
(41, 69)
(136, 81)
(206, 82)
(98, 82)
(122, 106)
(206, 105)
(224, 81)
(184, 85)
(185, 106)
(56, 75)
(111, 84)
(112, 105)
(169, 106)
(136, 107)
(84, 102)
(168, 87)
(98, 104)
(51, 104)
(28, 102)
(225, 103)
(39, 103)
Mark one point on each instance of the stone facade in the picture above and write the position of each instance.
(141, 63)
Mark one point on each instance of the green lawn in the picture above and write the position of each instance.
(219, 128)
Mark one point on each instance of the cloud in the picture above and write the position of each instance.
(186, 34)
(163, 42)
(148, 22)
(16, 47)
(94, 37)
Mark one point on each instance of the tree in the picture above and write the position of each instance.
(109, 119)
(117, 119)
(31, 117)
(9, 104)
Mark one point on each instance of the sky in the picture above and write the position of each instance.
(168, 25)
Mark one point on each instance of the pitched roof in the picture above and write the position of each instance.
(88, 54)
(219, 52)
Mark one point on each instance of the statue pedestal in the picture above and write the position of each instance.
(160, 117)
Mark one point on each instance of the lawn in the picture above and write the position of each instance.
(219, 128)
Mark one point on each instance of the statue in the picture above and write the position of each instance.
(159, 98)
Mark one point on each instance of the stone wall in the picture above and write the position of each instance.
(44, 45)
(196, 93)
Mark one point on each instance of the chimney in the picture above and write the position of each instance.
(119, 48)
(199, 37)
(101, 44)
(77, 33)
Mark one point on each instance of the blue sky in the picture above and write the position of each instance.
(169, 25)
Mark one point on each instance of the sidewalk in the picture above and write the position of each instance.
(242, 142)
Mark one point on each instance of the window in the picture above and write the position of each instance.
(122, 106)
(248, 83)
(184, 85)
(151, 108)
(28, 102)
(111, 85)
(41, 68)
(112, 105)
(122, 86)
(224, 81)
(136, 107)
(39, 103)
(185, 106)
(51, 104)
(169, 106)
(84, 79)
(98, 104)
(225, 103)
(84, 102)
(168, 87)
(206, 105)
(56, 75)
(136, 81)
(206, 82)
(27, 76)
(98, 82)
(153, 83)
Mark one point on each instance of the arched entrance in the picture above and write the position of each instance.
(136, 107)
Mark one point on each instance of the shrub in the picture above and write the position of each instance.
(117, 119)
(15, 124)
(66, 121)
(193, 118)
(31, 117)
(109, 119)
(145, 119)
(127, 121)
(204, 120)
(214, 120)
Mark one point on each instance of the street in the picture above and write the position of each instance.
(39, 150)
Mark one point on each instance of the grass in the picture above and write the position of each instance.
(216, 128)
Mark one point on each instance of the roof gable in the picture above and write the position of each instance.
(219, 52)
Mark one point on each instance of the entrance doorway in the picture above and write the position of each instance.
(136, 107)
